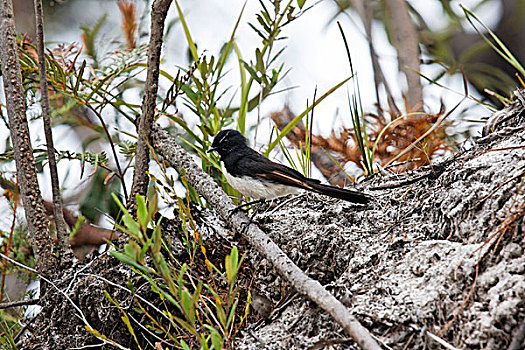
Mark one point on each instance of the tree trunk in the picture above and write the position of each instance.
(25, 163)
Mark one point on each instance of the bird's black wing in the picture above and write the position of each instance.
(262, 167)
(259, 166)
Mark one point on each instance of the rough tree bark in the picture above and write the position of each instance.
(25, 164)
(437, 259)
(159, 11)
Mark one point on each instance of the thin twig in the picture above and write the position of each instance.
(19, 303)
(112, 146)
(440, 341)
(463, 303)
(159, 11)
(86, 266)
(65, 254)
(304, 285)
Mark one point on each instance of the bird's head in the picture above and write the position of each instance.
(227, 140)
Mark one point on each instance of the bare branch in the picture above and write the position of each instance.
(140, 179)
(19, 303)
(303, 284)
(58, 208)
(25, 163)
(365, 10)
(405, 40)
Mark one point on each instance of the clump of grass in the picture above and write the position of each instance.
(197, 302)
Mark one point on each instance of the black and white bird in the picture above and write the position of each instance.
(255, 176)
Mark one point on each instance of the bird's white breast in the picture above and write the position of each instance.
(257, 189)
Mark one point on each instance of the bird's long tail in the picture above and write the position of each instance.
(338, 192)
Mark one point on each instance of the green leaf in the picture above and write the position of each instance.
(142, 212)
(187, 305)
(191, 43)
(157, 240)
(204, 342)
(184, 345)
(133, 250)
(231, 262)
(79, 222)
(197, 293)
(220, 313)
(300, 3)
(79, 77)
(252, 72)
(499, 47)
(216, 340)
(259, 59)
(232, 313)
(187, 326)
(129, 261)
(229, 269)
(133, 228)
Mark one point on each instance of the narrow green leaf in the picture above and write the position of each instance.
(187, 305)
(191, 43)
(79, 77)
(500, 48)
(142, 211)
(252, 72)
(187, 326)
(221, 315)
(232, 313)
(184, 345)
(259, 61)
(229, 268)
(157, 240)
(216, 340)
(79, 222)
(129, 261)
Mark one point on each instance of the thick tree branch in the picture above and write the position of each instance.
(25, 163)
(140, 179)
(304, 285)
(58, 208)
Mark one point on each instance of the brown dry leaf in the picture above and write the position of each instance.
(129, 23)
(343, 147)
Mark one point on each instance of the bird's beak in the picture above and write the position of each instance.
(211, 150)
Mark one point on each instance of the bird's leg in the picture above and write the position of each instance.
(239, 207)
(251, 218)
(291, 199)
